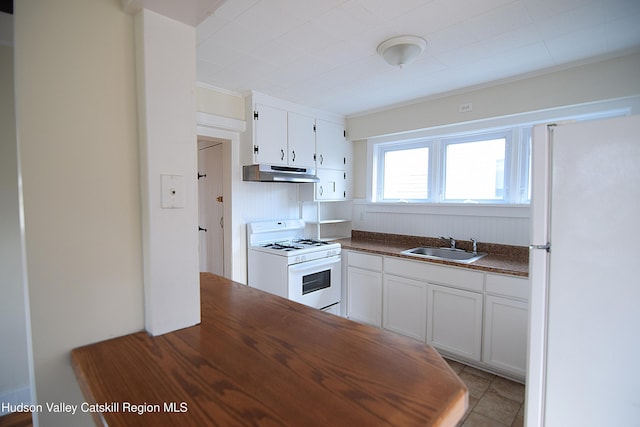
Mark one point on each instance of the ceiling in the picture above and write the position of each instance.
(322, 53)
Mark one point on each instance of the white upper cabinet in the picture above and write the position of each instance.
(301, 140)
(333, 161)
(286, 134)
(282, 137)
(333, 151)
(332, 185)
(270, 135)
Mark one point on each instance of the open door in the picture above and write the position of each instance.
(211, 207)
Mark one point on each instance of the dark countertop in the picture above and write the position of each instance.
(502, 259)
(258, 359)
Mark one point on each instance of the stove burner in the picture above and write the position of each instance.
(311, 242)
(281, 246)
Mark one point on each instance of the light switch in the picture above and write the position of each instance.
(172, 188)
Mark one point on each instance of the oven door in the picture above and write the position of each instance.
(316, 283)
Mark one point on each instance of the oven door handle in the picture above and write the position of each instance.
(306, 265)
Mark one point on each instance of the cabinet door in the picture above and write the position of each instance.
(404, 306)
(332, 148)
(270, 137)
(364, 296)
(332, 185)
(301, 140)
(454, 322)
(505, 334)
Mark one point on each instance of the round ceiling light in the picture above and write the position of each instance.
(401, 51)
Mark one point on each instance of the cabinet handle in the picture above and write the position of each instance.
(321, 159)
(293, 155)
(281, 154)
(321, 190)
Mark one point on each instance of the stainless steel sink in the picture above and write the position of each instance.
(448, 254)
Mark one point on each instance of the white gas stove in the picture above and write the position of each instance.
(281, 260)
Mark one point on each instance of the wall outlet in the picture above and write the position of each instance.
(172, 188)
(465, 108)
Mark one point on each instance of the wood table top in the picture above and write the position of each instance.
(260, 360)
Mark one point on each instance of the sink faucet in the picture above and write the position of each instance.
(451, 241)
(475, 245)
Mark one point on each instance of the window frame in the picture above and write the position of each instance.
(382, 149)
(471, 138)
(437, 166)
(520, 124)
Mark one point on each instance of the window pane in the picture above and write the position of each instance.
(406, 174)
(475, 170)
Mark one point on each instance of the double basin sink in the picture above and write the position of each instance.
(447, 254)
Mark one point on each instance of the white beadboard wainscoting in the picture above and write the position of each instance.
(262, 201)
(507, 225)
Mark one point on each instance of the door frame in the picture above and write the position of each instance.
(210, 127)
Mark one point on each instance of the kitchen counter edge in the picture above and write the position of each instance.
(492, 263)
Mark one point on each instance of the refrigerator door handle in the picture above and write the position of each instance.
(546, 247)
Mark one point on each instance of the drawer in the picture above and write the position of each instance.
(366, 261)
(509, 286)
(450, 276)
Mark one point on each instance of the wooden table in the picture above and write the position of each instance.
(258, 359)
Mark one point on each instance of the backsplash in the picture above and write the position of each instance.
(505, 226)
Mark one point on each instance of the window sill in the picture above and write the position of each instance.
(458, 209)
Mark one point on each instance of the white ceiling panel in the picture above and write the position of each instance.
(322, 53)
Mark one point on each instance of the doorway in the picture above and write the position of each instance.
(211, 206)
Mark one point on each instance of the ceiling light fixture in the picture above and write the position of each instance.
(401, 51)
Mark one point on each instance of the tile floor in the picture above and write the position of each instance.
(493, 401)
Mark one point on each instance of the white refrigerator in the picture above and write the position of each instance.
(584, 332)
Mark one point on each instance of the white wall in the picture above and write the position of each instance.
(165, 65)
(14, 369)
(608, 79)
(77, 135)
(219, 102)
(612, 82)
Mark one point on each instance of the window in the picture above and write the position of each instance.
(406, 174)
(467, 165)
(472, 168)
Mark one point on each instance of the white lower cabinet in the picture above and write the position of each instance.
(454, 322)
(481, 318)
(404, 306)
(364, 296)
(364, 288)
(506, 323)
